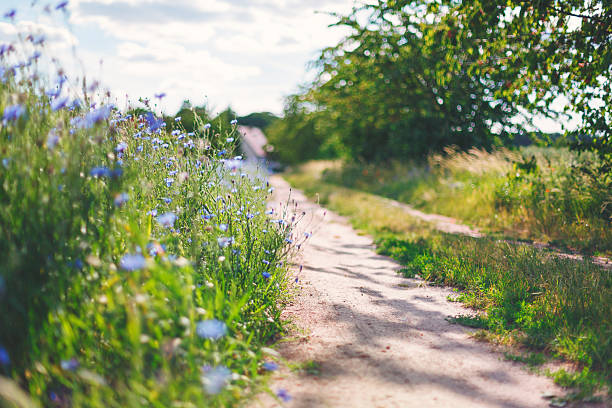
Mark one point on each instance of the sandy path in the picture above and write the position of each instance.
(381, 340)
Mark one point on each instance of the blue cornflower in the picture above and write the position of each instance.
(10, 14)
(212, 329)
(270, 366)
(177, 119)
(52, 140)
(284, 395)
(223, 227)
(13, 112)
(175, 132)
(265, 262)
(100, 172)
(59, 103)
(61, 5)
(207, 126)
(224, 242)
(5, 359)
(121, 147)
(234, 122)
(160, 95)
(229, 139)
(169, 182)
(121, 199)
(167, 219)
(215, 379)
(69, 365)
(153, 122)
(222, 152)
(266, 275)
(131, 262)
(153, 213)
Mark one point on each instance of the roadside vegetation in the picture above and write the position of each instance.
(139, 265)
(529, 297)
(532, 193)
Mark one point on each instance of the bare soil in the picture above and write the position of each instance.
(365, 336)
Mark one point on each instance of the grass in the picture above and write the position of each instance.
(528, 297)
(538, 194)
(138, 264)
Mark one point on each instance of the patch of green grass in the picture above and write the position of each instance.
(531, 359)
(540, 194)
(529, 296)
(475, 322)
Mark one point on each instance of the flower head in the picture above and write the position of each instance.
(121, 199)
(270, 366)
(283, 394)
(131, 262)
(59, 103)
(212, 329)
(13, 112)
(5, 359)
(215, 379)
(167, 219)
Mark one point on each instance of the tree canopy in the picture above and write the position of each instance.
(415, 76)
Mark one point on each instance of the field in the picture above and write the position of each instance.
(528, 297)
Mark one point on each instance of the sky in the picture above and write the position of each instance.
(247, 54)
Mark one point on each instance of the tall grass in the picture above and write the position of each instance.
(138, 265)
(542, 194)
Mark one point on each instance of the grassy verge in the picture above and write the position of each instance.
(138, 266)
(529, 298)
(542, 194)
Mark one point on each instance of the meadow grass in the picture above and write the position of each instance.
(529, 297)
(541, 194)
(138, 264)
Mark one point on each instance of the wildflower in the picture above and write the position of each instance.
(160, 95)
(229, 139)
(153, 122)
(284, 395)
(52, 140)
(35, 56)
(121, 199)
(270, 366)
(265, 262)
(10, 14)
(215, 379)
(132, 262)
(234, 122)
(207, 126)
(121, 147)
(175, 132)
(223, 227)
(13, 112)
(212, 329)
(69, 365)
(59, 103)
(233, 164)
(100, 172)
(5, 359)
(177, 119)
(266, 275)
(167, 219)
(61, 5)
(5, 162)
(153, 213)
(169, 182)
(224, 242)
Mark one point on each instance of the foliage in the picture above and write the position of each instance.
(416, 76)
(532, 193)
(300, 135)
(258, 119)
(531, 297)
(138, 265)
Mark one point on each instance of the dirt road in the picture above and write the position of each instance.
(367, 337)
